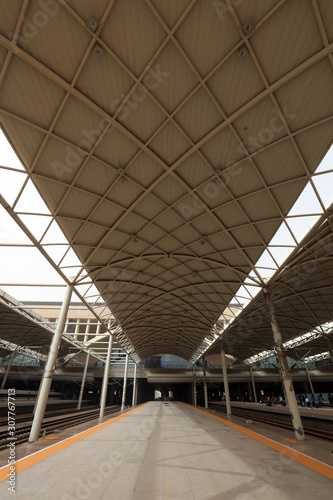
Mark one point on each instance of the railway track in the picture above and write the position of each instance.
(249, 415)
(27, 417)
(58, 421)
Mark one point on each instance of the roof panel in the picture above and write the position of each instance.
(133, 33)
(227, 83)
(291, 25)
(37, 102)
(206, 51)
(62, 54)
(165, 137)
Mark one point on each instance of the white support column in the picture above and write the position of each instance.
(3, 383)
(83, 382)
(309, 378)
(194, 387)
(49, 368)
(105, 379)
(86, 336)
(38, 392)
(253, 385)
(125, 384)
(205, 382)
(134, 386)
(77, 328)
(284, 369)
(225, 382)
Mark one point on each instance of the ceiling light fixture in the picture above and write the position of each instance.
(97, 51)
(92, 24)
(248, 28)
(243, 52)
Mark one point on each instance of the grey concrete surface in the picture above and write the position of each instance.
(168, 451)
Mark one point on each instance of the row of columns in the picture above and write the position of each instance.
(204, 376)
(53, 354)
(45, 385)
(284, 370)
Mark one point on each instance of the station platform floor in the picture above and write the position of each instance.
(171, 451)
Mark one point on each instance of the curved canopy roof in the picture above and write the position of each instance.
(302, 292)
(169, 141)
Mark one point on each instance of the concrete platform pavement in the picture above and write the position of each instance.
(168, 451)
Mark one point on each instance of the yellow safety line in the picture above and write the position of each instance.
(32, 459)
(324, 469)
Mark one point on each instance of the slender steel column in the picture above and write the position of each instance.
(83, 382)
(253, 386)
(76, 331)
(86, 336)
(105, 379)
(134, 386)
(284, 369)
(125, 384)
(3, 383)
(309, 378)
(194, 387)
(225, 382)
(49, 368)
(329, 346)
(205, 382)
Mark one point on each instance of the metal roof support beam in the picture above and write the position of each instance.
(125, 384)
(83, 382)
(205, 382)
(49, 368)
(284, 369)
(4, 380)
(225, 381)
(105, 378)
